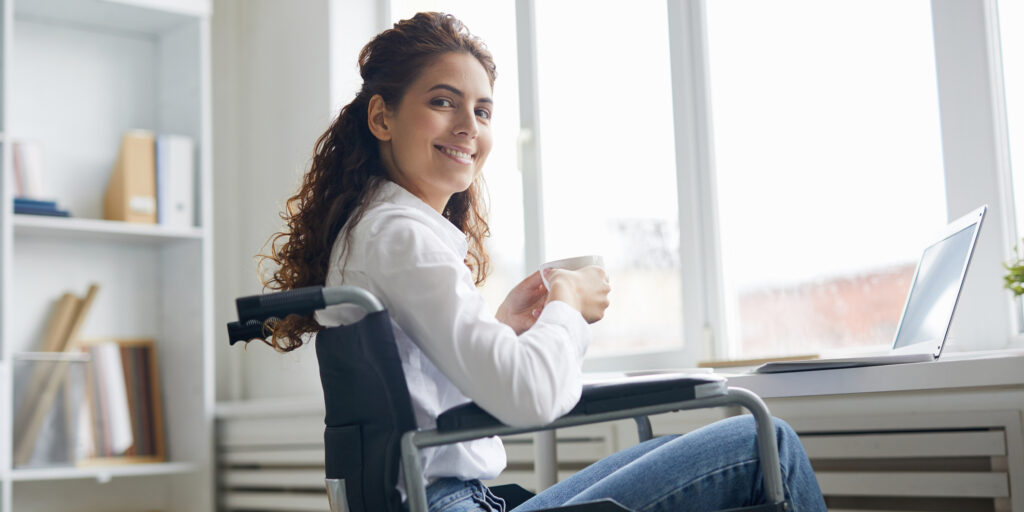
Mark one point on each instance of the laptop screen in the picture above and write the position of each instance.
(934, 292)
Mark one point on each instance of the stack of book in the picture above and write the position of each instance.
(26, 206)
(30, 189)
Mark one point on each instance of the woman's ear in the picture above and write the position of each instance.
(377, 115)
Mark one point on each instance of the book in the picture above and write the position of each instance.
(28, 206)
(35, 203)
(175, 180)
(113, 413)
(131, 190)
(143, 403)
(31, 210)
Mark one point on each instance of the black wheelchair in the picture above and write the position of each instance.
(370, 429)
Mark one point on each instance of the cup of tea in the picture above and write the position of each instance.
(575, 263)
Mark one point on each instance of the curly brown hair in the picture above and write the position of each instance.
(346, 168)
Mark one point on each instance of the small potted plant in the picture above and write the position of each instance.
(1014, 278)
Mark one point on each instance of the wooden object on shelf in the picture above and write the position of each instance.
(134, 362)
(63, 319)
(131, 191)
(35, 407)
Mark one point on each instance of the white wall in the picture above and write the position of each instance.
(272, 97)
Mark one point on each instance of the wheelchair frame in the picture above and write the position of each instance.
(253, 311)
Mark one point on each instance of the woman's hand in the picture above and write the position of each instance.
(585, 289)
(523, 304)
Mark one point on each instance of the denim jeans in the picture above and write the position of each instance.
(454, 495)
(712, 468)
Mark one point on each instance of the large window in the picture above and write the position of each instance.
(608, 161)
(773, 169)
(828, 165)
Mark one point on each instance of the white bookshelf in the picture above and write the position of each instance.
(74, 76)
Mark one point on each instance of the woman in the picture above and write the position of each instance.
(392, 203)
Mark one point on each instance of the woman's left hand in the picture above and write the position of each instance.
(523, 304)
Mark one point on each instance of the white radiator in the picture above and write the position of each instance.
(945, 461)
(270, 456)
(936, 468)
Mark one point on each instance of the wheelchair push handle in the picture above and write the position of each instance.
(300, 301)
(254, 310)
(245, 331)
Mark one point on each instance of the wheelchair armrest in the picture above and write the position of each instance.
(650, 396)
(609, 396)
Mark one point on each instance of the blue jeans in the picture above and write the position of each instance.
(712, 468)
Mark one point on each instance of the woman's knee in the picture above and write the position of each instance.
(783, 431)
(746, 425)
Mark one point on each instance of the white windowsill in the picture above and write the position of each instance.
(952, 370)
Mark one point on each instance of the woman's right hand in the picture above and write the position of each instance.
(586, 290)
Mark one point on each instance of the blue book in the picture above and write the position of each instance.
(31, 210)
(34, 203)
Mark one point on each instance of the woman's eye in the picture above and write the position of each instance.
(483, 113)
(442, 102)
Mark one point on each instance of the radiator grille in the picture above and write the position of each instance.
(270, 457)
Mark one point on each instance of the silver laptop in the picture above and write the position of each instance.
(930, 304)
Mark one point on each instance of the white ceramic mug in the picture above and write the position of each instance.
(571, 264)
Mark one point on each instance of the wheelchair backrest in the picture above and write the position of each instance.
(368, 409)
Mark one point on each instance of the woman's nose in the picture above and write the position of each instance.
(466, 124)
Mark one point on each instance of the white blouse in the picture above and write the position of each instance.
(453, 349)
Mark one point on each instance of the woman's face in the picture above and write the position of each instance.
(435, 141)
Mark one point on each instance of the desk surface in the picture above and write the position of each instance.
(958, 370)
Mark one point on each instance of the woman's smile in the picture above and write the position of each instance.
(459, 154)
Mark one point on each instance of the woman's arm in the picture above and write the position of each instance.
(522, 380)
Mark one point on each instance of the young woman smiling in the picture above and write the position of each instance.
(392, 204)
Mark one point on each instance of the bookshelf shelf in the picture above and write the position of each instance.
(98, 229)
(142, 16)
(75, 76)
(102, 474)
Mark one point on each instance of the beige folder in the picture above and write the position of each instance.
(131, 191)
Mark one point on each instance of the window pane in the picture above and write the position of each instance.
(608, 161)
(494, 22)
(1011, 16)
(828, 167)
